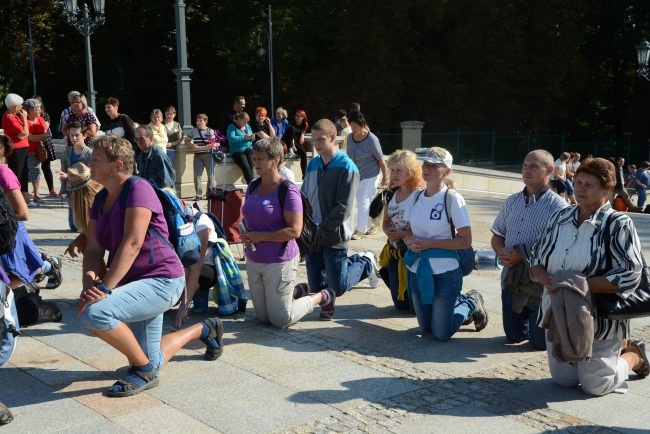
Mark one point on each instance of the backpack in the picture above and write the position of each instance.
(307, 236)
(8, 224)
(467, 256)
(182, 232)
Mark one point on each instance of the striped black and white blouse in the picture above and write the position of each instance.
(564, 245)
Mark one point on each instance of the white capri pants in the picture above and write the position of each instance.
(365, 194)
(606, 372)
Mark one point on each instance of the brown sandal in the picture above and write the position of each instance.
(639, 347)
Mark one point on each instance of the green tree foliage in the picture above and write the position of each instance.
(508, 65)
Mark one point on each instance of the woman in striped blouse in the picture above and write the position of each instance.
(574, 241)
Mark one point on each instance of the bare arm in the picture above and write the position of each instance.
(18, 204)
(384, 171)
(192, 280)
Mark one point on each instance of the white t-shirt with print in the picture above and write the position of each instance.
(428, 219)
(396, 213)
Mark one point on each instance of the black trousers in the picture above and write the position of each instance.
(245, 162)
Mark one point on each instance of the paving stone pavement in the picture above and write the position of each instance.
(369, 370)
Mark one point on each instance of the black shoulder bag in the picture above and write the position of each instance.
(615, 306)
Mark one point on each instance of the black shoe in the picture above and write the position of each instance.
(241, 306)
(49, 310)
(5, 415)
(480, 316)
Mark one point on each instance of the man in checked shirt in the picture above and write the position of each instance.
(515, 229)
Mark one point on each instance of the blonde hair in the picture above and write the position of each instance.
(82, 200)
(407, 160)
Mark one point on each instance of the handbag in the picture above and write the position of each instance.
(377, 204)
(41, 152)
(636, 304)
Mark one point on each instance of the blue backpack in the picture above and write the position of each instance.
(181, 225)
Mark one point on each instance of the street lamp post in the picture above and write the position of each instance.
(182, 71)
(643, 52)
(262, 52)
(32, 65)
(86, 26)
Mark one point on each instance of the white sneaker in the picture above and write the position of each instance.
(374, 279)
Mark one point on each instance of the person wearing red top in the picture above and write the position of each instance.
(14, 124)
(37, 127)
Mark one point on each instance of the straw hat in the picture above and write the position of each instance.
(78, 176)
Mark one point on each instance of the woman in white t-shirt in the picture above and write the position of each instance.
(405, 182)
(435, 277)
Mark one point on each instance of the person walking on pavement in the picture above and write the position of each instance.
(518, 225)
(330, 183)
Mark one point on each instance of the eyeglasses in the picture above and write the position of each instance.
(140, 139)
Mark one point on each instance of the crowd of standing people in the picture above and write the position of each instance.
(543, 236)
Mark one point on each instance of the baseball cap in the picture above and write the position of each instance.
(437, 155)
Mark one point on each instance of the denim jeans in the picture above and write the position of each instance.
(642, 196)
(171, 153)
(332, 268)
(450, 308)
(141, 305)
(393, 285)
(569, 187)
(521, 326)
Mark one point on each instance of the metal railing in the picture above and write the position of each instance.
(491, 148)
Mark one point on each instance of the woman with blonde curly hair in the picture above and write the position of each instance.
(405, 182)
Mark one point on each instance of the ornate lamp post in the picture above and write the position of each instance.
(262, 52)
(182, 71)
(643, 52)
(86, 26)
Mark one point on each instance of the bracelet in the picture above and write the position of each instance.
(184, 306)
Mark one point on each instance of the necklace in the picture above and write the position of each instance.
(263, 190)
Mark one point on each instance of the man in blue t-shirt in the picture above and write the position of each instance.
(641, 182)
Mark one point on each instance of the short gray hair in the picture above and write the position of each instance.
(31, 104)
(271, 146)
(12, 100)
(147, 129)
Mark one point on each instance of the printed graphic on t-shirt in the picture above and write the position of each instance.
(436, 212)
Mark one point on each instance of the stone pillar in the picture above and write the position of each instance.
(411, 135)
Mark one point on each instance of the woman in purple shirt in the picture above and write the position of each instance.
(123, 301)
(272, 254)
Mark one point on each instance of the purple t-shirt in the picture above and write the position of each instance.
(8, 180)
(264, 214)
(110, 230)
